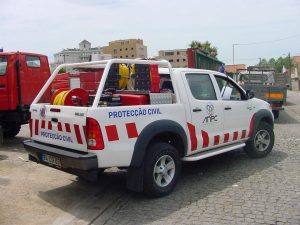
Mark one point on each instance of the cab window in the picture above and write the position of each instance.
(3, 65)
(33, 61)
(229, 90)
(201, 86)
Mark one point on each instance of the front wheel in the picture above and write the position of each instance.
(162, 169)
(262, 142)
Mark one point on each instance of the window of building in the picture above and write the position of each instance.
(201, 86)
(131, 48)
(115, 51)
(121, 57)
(126, 49)
(33, 61)
(126, 56)
(183, 60)
(132, 56)
(170, 60)
(3, 65)
(120, 49)
(177, 60)
(169, 53)
(178, 53)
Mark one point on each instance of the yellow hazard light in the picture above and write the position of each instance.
(274, 95)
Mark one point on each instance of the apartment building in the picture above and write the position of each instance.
(126, 49)
(84, 53)
(177, 57)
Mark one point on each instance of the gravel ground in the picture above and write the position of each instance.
(226, 189)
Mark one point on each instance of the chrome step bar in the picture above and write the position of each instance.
(209, 153)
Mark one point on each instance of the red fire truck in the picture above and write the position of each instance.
(22, 75)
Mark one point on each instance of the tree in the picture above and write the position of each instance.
(205, 47)
(277, 64)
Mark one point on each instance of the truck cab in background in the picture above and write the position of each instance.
(22, 75)
(266, 85)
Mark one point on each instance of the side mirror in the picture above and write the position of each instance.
(250, 94)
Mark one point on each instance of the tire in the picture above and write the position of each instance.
(162, 169)
(276, 114)
(11, 129)
(262, 142)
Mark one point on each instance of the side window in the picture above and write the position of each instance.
(201, 86)
(228, 90)
(3, 65)
(33, 61)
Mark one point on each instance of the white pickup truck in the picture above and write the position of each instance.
(159, 118)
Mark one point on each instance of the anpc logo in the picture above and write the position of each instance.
(211, 117)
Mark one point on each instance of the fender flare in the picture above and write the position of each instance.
(149, 132)
(262, 114)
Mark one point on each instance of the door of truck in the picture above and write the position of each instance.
(34, 72)
(237, 110)
(206, 127)
(3, 83)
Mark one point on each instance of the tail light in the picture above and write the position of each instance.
(94, 136)
(30, 124)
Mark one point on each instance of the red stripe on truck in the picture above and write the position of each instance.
(36, 127)
(59, 127)
(243, 134)
(226, 137)
(43, 124)
(251, 127)
(68, 128)
(131, 130)
(49, 125)
(193, 137)
(205, 139)
(216, 139)
(112, 133)
(235, 135)
(77, 132)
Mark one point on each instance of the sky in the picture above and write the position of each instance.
(48, 26)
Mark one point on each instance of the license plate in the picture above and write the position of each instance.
(52, 160)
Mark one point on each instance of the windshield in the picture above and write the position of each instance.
(3, 65)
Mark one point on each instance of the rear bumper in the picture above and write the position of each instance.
(69, 161)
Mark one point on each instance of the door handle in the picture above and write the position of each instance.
(54, 120)
(227, 108)
(197, 110)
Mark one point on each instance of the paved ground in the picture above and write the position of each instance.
(227, 189)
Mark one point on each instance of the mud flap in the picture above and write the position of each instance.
(135, 178)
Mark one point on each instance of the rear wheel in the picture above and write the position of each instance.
(262, 143)
(162, 169)
(11, 129)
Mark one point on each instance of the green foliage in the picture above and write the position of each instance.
(62, 70)
(206, 47)
(277, 64)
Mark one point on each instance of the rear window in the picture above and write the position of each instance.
(33, 61)
(3, 65)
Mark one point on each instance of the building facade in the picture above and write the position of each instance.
(84, 53)
(177, 57)
(126, 49)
